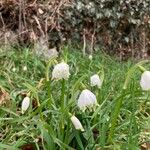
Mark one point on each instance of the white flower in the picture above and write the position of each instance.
(145, 81)
(86, 99)
(77, 124)
(14, 69)
(25, 104)
(25, 68)
(61, 71)
(96, 81)
(90, 57)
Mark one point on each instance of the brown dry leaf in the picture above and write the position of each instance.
(145, 146)
(28, 147)
(40, 11)
(33, 36)
(4, 97)
(34, 103)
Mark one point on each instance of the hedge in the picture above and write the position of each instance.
(115, 25)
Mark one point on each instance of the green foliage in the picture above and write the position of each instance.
(108, 20)
(48, 125)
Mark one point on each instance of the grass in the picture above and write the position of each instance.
(120, 122)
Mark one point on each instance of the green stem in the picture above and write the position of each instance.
(48, 81)
(99, 96)
(49, 92)
(114, 116)
(89, 131)
(142, 68)
(62, 102)
(63, 94)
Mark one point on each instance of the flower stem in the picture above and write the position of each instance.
(49, 92)
(142, 68)
(63, 94)
(114, 117)
(48, 81)
(62, 102)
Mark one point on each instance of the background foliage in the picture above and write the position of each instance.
(116, 25)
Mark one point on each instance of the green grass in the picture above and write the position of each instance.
(121, 121)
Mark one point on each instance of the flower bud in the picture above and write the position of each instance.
(25, 104)
(77, 124)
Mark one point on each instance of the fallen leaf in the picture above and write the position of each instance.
(145, 146)
(28, 147)
(4, 97)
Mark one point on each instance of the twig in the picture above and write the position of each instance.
(23, 13)
(144, 44)
(39, 26)
(16, 35)
(92, 42)
(2, 21)
(20, 16)
(84, 43)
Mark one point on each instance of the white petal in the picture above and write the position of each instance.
(61, 71)
(86, 99)
(145, 80)
(96, 81)
(25, 104)
(77, 124)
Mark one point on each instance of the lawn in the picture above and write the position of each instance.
(120, 119)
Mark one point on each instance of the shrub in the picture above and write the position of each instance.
(112, 24)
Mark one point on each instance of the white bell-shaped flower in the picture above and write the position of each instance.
(25, 68)
(145, 80)
(77, 124)
(61, 71)
(86, 99)
(96, 81)
(25, 104)
(14, 69)
(90, 57)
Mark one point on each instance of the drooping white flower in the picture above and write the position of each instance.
(25, 104)
(25, 68)
(90, 57)
(86, 99)
(14, 69)
(145, 80)
(77, 124)
(61, 71)
(96, 81)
